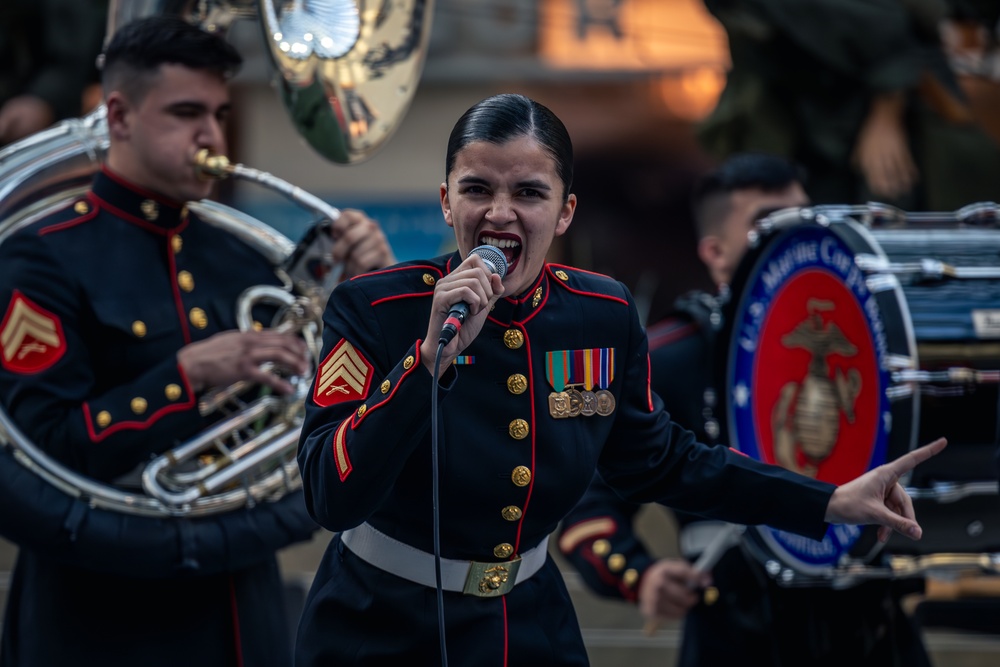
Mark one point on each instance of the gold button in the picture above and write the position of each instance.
(81, 207)
(562, 275)
(429, 279)
(517, 384)
(518, 429)
(408, 362)
(711, 595)
(150, 209)
(172, 392)
(537, 298)
(630, 577)
(503, 550)
(198, 318)
(601, 547)
(184, 211)
(385, 387)
(362, 410)
(139, 405)
(257, 326)
(103, 418)
(616, 562)
(139, 328)
(185, 281)
(511, 512)
(177, 243)
(513, 338)
(521, 476)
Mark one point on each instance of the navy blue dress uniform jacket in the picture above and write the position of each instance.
(365, 456)
(748, 619)
(598, 535)
(98, 298)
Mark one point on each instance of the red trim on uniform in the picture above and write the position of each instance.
(339, 447)
(534, 431)
(356, 420)
(131, 425)
(397, 297)
(572, 536)
(649, 382)
(732, 449)
(236, 622)
(529, 295)
(600, 565)
(186, 381)
(669, 332)
(178, 302)
(28, 328)
(597, 295)
(128, 217)
(344, 363)
(60, 226)
(138, 189)
(506, 633)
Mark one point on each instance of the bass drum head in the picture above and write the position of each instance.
(810, 344)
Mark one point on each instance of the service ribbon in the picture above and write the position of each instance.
(558, 366)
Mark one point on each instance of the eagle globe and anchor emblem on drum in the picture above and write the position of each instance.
(807, 377)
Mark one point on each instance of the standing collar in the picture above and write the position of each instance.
(135, 203)
(517, 308)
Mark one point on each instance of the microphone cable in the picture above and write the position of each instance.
(435, 493)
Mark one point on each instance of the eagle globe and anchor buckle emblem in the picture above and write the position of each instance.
(492, 579)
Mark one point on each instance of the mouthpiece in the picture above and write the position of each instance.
(209, 166)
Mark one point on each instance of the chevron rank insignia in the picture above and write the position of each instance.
(344, 375)
(31, 338)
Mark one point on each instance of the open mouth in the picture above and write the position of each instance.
(508, 244)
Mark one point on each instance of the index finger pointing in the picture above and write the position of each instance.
(911, 460)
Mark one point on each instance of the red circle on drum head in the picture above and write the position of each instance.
(816, 381)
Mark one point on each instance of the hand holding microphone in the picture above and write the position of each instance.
(496, 263)
(464, 291)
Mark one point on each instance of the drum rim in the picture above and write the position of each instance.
(762, 540)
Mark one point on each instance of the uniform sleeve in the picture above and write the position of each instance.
(648, 458)
(598, 538)
(50, 388)
(368, 412)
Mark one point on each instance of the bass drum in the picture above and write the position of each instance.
(812, 347)
(950, 274)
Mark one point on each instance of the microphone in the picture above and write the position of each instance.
(496, 263)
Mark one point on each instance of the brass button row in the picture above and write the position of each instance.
(139, 405)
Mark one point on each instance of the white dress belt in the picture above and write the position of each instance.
(461, 576)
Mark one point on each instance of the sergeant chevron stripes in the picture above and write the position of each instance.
(31, 339)
(343, 376)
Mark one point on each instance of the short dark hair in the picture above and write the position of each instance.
(501, 118)
(140, 47)
(741, 171)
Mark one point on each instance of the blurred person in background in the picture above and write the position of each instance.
(861, 93)
(48, 49)
(120, 314)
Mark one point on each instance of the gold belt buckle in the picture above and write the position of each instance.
(487, 580)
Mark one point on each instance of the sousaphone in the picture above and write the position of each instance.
(346, 72)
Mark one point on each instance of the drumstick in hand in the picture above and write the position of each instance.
(725, 538)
